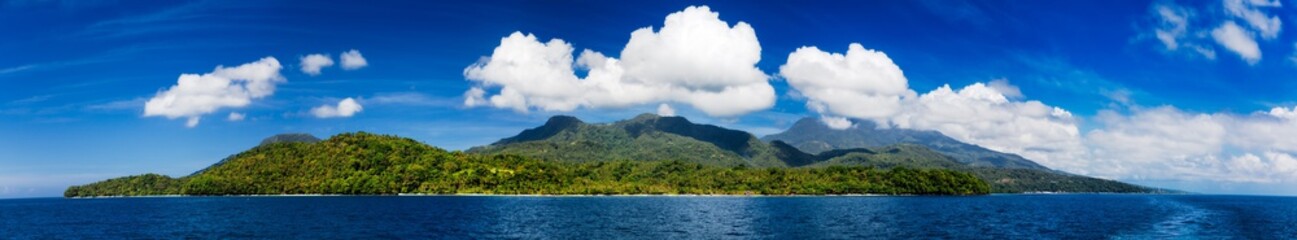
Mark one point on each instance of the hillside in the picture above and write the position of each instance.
(809, 135)
(1002, 180)
(646, 137)
(1007, 173)
(364, 163)
(649, 137)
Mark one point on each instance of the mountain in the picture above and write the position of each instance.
(807, 144)
(811, 136)
(1002, 180)
(1007, 173)
(278, 138)
(646, 137)
(290, 137)
(364, 163)
(647, 154)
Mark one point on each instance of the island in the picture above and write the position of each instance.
(372, 164)
(647, 154)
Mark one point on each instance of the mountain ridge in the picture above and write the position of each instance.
(646, 137)
(810, 135)
(880, 148)
(372, 164)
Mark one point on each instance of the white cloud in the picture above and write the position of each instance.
(1293, 58)
(352, 60)
(1004, 87)
(195, 95)
(1237, 40)
(235, 116)
(1250, 11)
(1180, 27)
(862, 84)
(694, 49)
(346, 108)
(866, 84)
(836, 122)
(981, 115)
(665, 110)
(311, 64)
(1155, 143)
(411, 99)
(695, 59)
(1173, 30)
(192, 122)
(1173, 24)
(1166, 143)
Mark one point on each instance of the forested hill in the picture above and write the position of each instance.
(364, 163)
(646, 137)
(649, 137)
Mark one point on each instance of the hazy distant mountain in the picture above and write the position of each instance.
(1003, 180)
(812, 136)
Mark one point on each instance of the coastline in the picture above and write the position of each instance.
(621, 195)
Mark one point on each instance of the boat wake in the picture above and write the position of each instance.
(1184, 221)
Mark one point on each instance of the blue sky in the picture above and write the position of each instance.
(77, 76)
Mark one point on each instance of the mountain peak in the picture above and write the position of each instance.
(553, 126)
(815, 123)
(563, 120)
(290, 137)
(644, 137)
(645, 116)
(649, 117)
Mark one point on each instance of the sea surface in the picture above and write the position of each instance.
(656, 217)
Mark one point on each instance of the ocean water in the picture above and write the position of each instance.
(653, 217)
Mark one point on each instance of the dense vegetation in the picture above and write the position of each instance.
(644, 138)
(363, 163)
(1011, 180)
(644, 155)
(1002, 180)
(1007, 173)
(138, 185)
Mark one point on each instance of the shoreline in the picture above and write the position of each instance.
(619, 195)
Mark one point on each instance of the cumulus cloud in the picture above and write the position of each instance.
(1166, 143)
(865, 84)
(861, 84)
(311, 64)
(1004, 87)
(352, 60)
(235, 116)
(346, 108)
(666, 110)
(195, 95)
(1237, 40)
(695, 59)
(1162, 143)
(984, 116)
(836, 122)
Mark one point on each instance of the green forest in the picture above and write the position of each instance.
(365, 163)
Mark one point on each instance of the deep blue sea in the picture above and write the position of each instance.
(981, 217)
